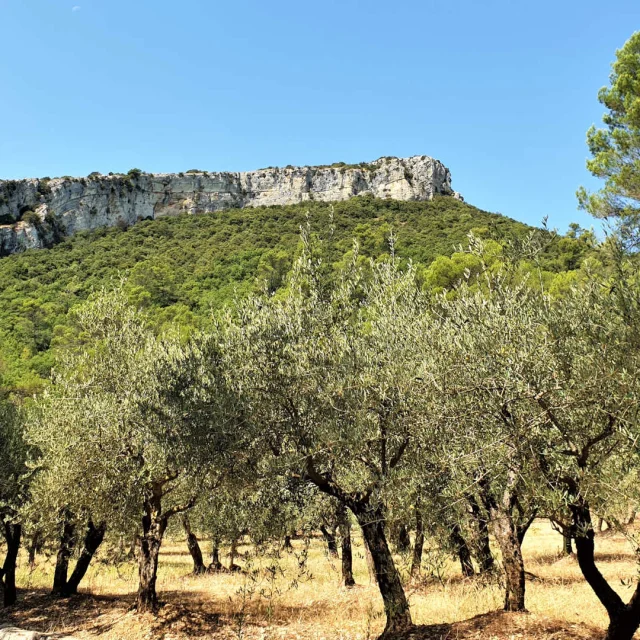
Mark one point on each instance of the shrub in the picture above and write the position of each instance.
(31, 217)
(43, 188)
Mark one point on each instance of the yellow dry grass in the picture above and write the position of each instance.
(235, 606)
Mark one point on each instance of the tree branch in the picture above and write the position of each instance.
(399, 453)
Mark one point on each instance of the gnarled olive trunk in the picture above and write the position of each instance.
(12, 534)
(93, 538)
(194, 547)
(216, 565)
(330, 538)
(345, 543)
(154, 525)
(65, 549)
(395, 601)
(624, 619)
(481, 545)
(418, 545)
(461, 549)
(370, 517)
(506, 532)
(507, 538)
(404, 540)
(35, 546)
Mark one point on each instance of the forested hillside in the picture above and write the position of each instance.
(179, 268)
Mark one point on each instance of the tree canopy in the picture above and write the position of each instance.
(615, 149)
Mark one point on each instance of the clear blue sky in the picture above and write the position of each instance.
(501, 91)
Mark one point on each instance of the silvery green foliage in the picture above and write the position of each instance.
(538, 391)
(15, 476)
(332, 375)
(127, 409)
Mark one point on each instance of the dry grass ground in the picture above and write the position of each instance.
(221, 606)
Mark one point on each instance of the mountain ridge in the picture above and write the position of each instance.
(38, 213)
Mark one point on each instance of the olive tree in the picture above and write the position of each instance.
(131, 427)
(589, 408)
(489, 344)
(330, 375)
(14, 488)
(546, 395)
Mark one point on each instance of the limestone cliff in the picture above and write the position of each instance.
(37, 213)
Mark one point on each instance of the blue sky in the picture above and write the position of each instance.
(501, 91)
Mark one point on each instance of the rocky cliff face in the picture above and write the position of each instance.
(36, 213)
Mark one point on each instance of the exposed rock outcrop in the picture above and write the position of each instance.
(36, 213)
(7, 632)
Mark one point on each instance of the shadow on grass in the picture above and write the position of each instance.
(38, 610)
(196, 615)
(602, 556)
(190, 613)
(499, 625)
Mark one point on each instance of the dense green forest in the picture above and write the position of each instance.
(181, 268)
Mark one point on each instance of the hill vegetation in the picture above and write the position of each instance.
(178, 269)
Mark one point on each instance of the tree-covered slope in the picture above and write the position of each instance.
(181, 267)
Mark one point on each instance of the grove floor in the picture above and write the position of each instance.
(275, 600)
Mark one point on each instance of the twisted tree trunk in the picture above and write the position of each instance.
(347, 555)
(65, 548)
(507, 539)
(12, 535)
(330, 538)
(92, 540)
(194, 547)
(395, 601)
(624, 619)
(482, 546)
(149, 542)
(418, 545)
(462, 550)
(154, 525)
(506, 534)
(94, 535)
(370, 516)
